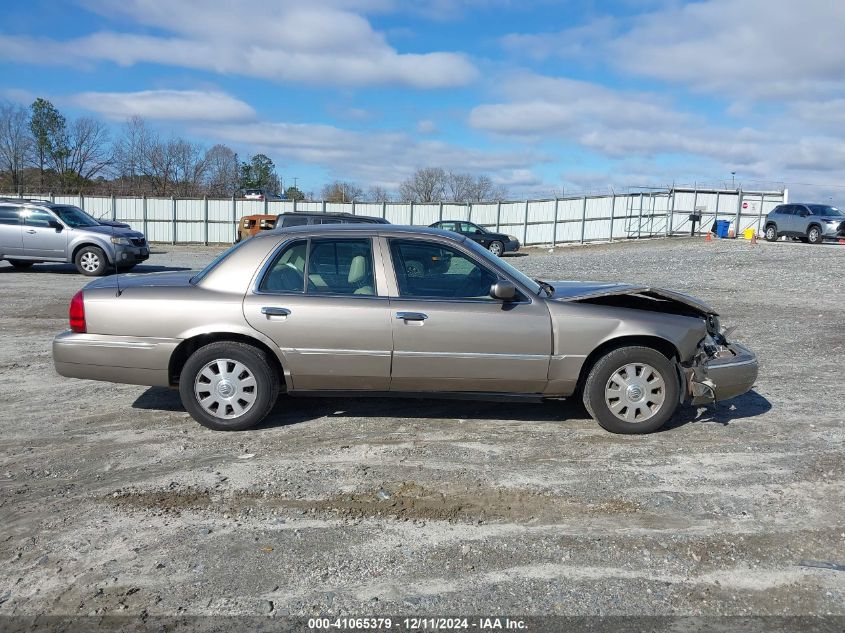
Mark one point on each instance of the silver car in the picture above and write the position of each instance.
(33, 231)
(811, 223)
(391, 310)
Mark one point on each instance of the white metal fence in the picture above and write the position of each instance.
(632, 215)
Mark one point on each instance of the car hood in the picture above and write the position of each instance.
(109, 231)
(167, 278)
(833, 218)
(114, 223)
(582, 290)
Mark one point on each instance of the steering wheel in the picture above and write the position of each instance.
(473, 282)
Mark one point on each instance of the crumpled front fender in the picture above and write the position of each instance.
(728, 372)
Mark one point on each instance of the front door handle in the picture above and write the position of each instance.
(272, 311)
(411, 316)
(31, 231)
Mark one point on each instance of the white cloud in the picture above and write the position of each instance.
(168, 105)
(320, 43)
(376, 158)
(426, 126)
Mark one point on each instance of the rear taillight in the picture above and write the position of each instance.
(77, 313)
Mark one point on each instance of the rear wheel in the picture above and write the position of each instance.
(771, 233)
(632, 390)
(91, 261)
(228, 386)
(497, 248)
(21, 265)
(814, 235)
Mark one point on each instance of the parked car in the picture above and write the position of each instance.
(34, 231)
(812, 223)
(302, 218)
(496, 243)
(260, 194)
(334, 310)
(250, 225)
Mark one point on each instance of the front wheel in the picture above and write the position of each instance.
(771, 233)
(228, 386)
(497, 248)
(91, 261)
(814, 235)
(632, 390)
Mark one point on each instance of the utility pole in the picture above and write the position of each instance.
(733, 180)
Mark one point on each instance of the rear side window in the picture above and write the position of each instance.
(327, 266)
(293, 220)
(287, 273)
(9, 215)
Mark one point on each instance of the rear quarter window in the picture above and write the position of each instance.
(9, 215)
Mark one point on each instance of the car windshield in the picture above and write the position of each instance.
(498, 262)
(214, 262)
(74, 217)
(823, 209)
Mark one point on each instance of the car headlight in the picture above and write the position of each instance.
(513, 238)
(121, 241)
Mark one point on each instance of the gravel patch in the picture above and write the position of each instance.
(115, 502)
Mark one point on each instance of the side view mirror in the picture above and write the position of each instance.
(478, 232)
(56, 225)
(503, 290)
(804, 214)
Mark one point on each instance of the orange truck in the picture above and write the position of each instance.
(250, 225)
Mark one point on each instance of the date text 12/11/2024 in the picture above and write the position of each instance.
(417, 624)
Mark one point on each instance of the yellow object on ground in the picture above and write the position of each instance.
(748, 234)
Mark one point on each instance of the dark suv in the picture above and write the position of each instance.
(301, 218)
(812, 223)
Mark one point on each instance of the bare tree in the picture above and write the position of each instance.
(87, 150)
(129, 153)
(223, 171)
(426, 185)
(189, 167)
(460, 187)
(15, 141)
(340, 191)
(484, 190)
(378, 194)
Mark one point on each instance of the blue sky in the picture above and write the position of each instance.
(542, 96)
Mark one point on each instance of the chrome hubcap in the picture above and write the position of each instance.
(495, 249)
(635, 392)
(225, 388)
(89, 262)
(770, 233)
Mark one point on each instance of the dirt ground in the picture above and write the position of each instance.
(115, 502)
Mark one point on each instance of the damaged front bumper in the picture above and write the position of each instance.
(720, 373)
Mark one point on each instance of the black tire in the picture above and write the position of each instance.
(815, 235)
(497, 248)
(20, 265)
(771, 233)
(91, 261)
(256, 362)
(599, 379)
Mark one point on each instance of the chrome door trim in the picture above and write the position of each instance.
(472, 355)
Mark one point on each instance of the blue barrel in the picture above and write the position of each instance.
(723, 227)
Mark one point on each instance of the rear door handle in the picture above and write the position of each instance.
(272, 311)
(411, 316)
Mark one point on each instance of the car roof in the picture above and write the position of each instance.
(31, 201)
(368, 229)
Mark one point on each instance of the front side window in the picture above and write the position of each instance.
(469, 227)
(330, 266)
(38, 218)
(431, 270)
(825, 210)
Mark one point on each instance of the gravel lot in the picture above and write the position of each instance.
(115, 502)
